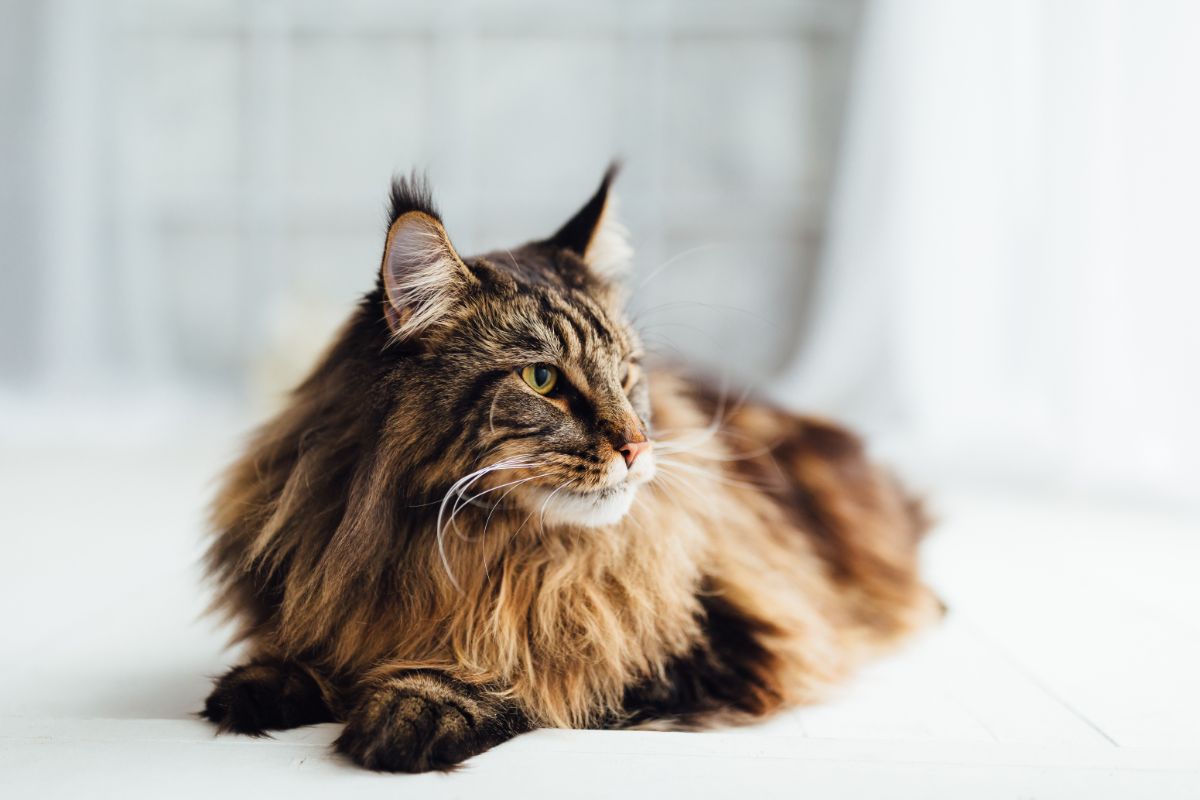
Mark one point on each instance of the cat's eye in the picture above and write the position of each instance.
(629, 377)
(542, 378)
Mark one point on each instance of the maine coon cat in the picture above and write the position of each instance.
(483, 512)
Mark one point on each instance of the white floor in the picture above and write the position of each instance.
(1067, 668)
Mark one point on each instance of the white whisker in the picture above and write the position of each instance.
(714, 476)
(457, 489)
(654, 273)
(549, 497)
(680, 480)
(492, 413)
(465, 501)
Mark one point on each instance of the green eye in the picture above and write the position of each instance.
(542, 378)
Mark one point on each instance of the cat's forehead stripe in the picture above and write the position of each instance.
(591, 331)
(594, 315)
(560, 312)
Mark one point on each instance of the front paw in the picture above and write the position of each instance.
(266, 695)
(403, 726)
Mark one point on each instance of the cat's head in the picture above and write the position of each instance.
(513, 377)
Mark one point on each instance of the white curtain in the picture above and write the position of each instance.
(1012, 274)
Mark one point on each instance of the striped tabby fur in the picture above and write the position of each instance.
(424, 548)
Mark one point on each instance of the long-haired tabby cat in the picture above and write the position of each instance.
(482, 513)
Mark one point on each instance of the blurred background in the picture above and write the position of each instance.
(965, 227)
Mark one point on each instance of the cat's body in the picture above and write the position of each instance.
(429, 547)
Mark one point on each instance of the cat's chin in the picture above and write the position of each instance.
(585, 509)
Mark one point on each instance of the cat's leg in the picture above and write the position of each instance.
(728, 675)
(269, 694)
(416, 721)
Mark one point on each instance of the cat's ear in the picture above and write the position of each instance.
(596, 235)
(422, 275)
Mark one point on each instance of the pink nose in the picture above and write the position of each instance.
(631, 450)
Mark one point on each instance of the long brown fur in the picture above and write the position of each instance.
(764, 561)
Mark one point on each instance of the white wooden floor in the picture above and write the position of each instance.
(1068, 667)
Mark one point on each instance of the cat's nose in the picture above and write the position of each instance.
(631, 450)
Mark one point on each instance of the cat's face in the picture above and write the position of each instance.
(524, 386)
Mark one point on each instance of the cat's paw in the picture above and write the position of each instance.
(405, 727)
(262, 696)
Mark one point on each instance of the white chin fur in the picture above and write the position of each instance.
(594, 509)
(589, 510)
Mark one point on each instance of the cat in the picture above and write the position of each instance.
(484, 512)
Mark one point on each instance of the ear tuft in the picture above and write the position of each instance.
(595, 235)
(411, 193)
(422, 275)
